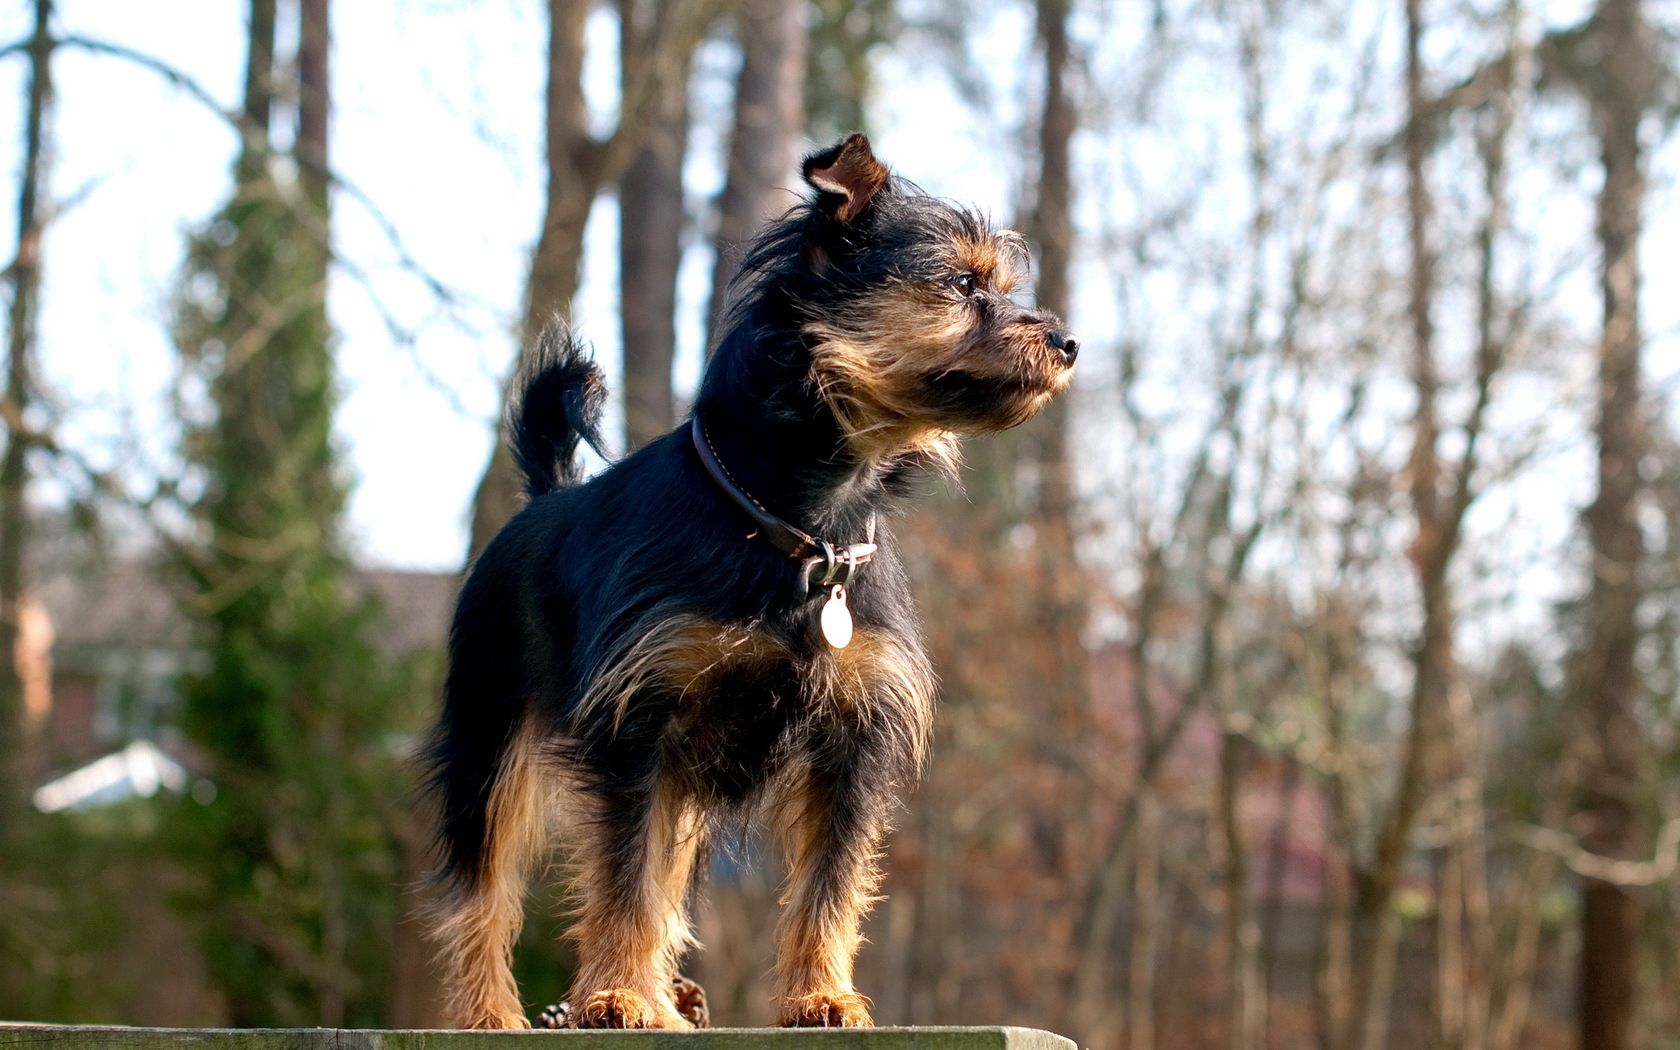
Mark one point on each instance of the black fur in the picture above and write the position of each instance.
(557, 400)
(589, 567)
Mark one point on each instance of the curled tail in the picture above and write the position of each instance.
(557, 399)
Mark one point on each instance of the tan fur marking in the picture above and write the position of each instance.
(870, 372)
(876, 678)
(872, 368)
(998, 260)
(678, 655)
(819, 929)
(475, 931)
(627, 955)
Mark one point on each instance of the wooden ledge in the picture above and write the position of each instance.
(96, 1037)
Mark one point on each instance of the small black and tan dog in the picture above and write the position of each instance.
(640, 661)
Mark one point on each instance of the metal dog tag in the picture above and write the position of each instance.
(837, 619)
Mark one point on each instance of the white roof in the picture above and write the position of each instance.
(137, 771)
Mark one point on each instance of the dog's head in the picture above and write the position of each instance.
(906, 307)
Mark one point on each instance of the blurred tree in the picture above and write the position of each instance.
(1438, 520)
(1617, 780)
(998, 567)
(580, 166)
(840, 63)
(651, 218)
(25, 277)
(1061, 599)
(769, 114)
(25, 274)
(1031, 475)
(292, 709)
(1662, 686)
(1049, 227)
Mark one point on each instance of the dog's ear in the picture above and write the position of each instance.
(846, 177)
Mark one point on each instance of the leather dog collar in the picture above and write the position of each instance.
(824, 564)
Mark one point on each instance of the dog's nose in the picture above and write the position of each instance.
(1064, 344)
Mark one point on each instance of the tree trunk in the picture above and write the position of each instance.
(1333, 991)
(1468, 957)
(14, 480)
(1277, 869)
(1247, 1013)
(314, 100)
(1145, 931)
(650, 226)
(579, 166)
(571, 189)
(769, 111)
(569, 155)
(314, 112)
(1051, 230)
(1377, 925)
(1055, 587)
(258, 103)
(1616, 777)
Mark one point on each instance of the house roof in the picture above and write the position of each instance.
(123, 605)
(128, 604)
(417, 606)
(137, 771)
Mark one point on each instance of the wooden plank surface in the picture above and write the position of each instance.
(77, 1037)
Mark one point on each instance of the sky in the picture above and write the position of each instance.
(438, 124)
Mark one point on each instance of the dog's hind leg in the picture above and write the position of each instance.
(632, 861)
(483, 908)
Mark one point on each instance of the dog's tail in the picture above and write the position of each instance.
(556, 400)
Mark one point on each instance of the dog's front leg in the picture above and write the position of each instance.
(836, 822)
(631, 872)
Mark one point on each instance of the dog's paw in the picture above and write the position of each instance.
(555, 1015)
(691, 1001)
(826, 1010)
(616, 1008)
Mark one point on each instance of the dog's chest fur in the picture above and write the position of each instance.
(738, 701)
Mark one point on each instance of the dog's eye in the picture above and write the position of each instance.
(965, 283)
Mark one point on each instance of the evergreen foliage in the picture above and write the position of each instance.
(292, 707)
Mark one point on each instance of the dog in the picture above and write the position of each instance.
(718, 625)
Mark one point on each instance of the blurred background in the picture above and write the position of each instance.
(1311, 670)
